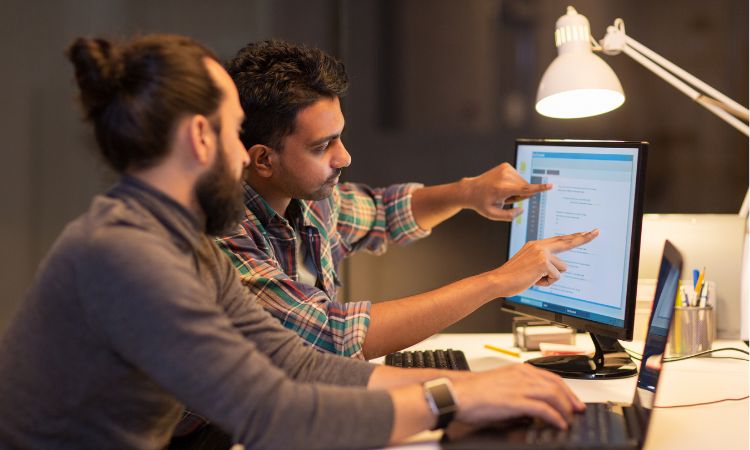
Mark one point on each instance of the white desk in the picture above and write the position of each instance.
(719, 426)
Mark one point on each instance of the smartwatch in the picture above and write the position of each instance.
(442, 401)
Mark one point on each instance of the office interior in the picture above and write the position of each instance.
(439, 90)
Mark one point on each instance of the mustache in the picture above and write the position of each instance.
(336, 173)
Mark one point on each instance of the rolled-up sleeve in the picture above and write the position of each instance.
(369, 218)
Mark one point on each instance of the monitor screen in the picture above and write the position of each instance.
(597, 184)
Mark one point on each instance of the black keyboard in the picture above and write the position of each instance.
(601, 426)
(595, 426)
(438, 359)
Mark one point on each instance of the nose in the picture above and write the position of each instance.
(245, 157)
(342, 158)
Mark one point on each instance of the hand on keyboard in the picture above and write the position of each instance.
(514, 391)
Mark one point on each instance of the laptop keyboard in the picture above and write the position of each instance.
(439, 359)
(591, 427)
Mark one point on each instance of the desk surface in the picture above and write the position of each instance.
(718, 426)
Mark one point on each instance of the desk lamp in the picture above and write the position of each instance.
(580, 84)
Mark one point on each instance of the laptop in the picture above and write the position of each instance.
(603, 425)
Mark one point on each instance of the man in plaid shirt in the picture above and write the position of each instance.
(301, 223)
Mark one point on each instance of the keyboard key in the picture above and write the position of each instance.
(589, 429)
(418, 359)
(442, 359)
(408, 359)
(429, 359)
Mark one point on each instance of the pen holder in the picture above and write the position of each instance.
(693, 330)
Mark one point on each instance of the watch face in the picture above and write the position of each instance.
(443, 396)
(442, 402)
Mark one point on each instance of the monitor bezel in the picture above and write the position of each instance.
(626, 331)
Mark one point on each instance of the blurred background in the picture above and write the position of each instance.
(440, 90)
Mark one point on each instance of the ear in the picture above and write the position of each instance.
(202, 139)
(263, 159)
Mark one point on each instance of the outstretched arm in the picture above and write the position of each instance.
(397, 324)
(486, 194)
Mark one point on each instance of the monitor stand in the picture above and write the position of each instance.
(609, 361)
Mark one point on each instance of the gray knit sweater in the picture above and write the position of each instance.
(134, 314)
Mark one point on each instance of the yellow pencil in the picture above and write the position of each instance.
(502, 350)
(678, 297)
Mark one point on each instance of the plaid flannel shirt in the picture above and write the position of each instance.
(355, 217)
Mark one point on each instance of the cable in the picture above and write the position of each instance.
(703, 403)
(713, 357)
(680, 358)
(637, 356)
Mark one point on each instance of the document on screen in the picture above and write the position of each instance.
(592, 189)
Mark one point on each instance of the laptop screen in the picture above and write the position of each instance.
(658, 329)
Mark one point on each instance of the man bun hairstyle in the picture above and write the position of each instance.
(98, 71)
(276, 79)
(135, 92)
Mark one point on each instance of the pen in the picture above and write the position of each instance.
(685, 298)
(703, 299)
(696, 274)
(502, 350)
(699, 285)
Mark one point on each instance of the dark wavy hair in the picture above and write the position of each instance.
(275, 80)
(134, 92)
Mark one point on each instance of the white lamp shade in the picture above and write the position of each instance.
(578, 84)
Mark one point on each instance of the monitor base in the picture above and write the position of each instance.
(609, 361)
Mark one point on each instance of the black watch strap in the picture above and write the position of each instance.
(442, 402)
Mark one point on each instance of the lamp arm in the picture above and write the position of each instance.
(617, 41)
(660, 60)
(714, 105)
(728, 108)
(707, 102)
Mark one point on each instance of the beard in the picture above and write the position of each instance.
(295, 189)
(325, 189)
(220, 196)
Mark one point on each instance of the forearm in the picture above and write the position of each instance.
(411, 414)
(397, 324)
(433, 205)
(386, 377)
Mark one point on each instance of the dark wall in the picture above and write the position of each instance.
(440, 90)
(50, 168)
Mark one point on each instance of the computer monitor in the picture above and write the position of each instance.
(597, 184)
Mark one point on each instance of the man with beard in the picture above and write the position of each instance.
(300, 223)
(135, 312)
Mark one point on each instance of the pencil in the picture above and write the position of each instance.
(502, 350)
(699, 285)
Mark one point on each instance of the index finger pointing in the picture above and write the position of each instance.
(531, 189)
(567, 242)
